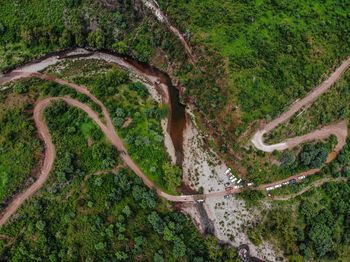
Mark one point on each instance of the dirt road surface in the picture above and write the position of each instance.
(339, 129)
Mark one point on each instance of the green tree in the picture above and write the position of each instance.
(120, 47)
(172, 175)
(121, 255)
(66, 39)
(100, 39)
(179, 248)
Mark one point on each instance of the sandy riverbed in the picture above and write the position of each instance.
(202, 168)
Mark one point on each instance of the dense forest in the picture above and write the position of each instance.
(314, 226)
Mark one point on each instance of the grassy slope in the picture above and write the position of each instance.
(274, 50)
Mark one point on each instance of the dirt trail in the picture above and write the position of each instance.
(154, 7)
(340, 130)
(316, 184)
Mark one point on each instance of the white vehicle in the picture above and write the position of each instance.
(233, 179)
(250, 184)
(239, 181)
(269, 188)
(228, 171)
(200, 200)
(277, 186)
(301, 177)
(286, 183)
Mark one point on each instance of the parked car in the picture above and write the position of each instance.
(250, 184)
(278, 185)
(233, 179)
(270, 188)
(286, 183)
(239, 181)
(292, 181)
(226, 196)
(301, 177)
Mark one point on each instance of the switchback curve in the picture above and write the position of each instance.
(340, 129)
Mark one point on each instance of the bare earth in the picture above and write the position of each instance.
(230, 218)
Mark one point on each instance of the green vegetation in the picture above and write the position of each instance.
(20, 150)
(106, 216)
(251, 197)
(275, 50)
(254, 59)
(315, 225)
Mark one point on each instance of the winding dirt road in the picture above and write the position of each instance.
(50, 152)
(340, 130)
